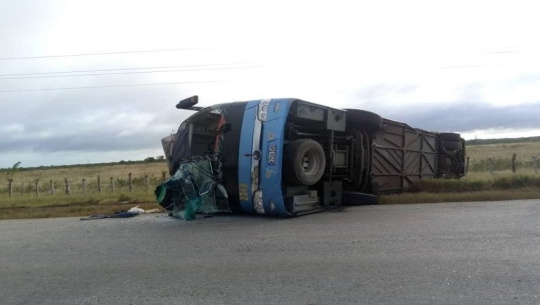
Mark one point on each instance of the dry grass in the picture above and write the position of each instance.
(479, 186)
(485, 175)
(77, 173)
(523, 151)
(501, 156)
(24, 203)
(480, 182)
(32, 201)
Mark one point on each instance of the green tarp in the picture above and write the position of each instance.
(194, 188)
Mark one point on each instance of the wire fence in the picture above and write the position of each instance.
(84, 186)
(147, 183)
(502, 164)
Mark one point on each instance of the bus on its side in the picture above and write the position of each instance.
(286, 157)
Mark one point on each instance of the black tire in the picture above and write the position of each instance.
(450, 136)
(452, 145)
(364, 119)
(350, 198)
(305, 162)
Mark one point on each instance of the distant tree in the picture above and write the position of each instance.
(150, 159)
(502, 141)
(10, 174)
(12, 171)
(160, 158)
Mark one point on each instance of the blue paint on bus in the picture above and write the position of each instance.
(272, 157)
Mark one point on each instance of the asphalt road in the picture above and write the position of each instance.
(452, 253)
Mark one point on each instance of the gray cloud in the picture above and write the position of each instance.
(467, 117)
(82, 121)
(467, 112)
(118, 120)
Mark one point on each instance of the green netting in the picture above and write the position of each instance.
(194, 188)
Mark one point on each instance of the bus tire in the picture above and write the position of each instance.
(305, 162)
(364, 120)
(452, 145)
(449, 136)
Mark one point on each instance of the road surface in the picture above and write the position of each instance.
(451, 253)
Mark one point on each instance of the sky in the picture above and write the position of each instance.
(97, 81)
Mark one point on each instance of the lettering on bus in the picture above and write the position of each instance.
(272, 155)
(243, 191)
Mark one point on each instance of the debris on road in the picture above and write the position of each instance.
(136, 210)
(152, 211)
(121, 214)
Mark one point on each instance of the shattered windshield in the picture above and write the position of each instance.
(199, 135)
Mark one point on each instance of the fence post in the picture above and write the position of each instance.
(112, 184)
(68, 189)
(514, 163)
(490, 165)
(10, 187)
(99, 183)
(130, 182)
(22, 188)
(51, 187)
(84, 186)
(535, 165)
(467, 165)
(37, 187)
(147, 183)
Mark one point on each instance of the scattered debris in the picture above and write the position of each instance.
(121, 214)
(136, 210)
(151, 211)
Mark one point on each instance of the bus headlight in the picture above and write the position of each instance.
(258, 202)
(262, 113)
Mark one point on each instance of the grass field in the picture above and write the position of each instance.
(524, 151)
(77, 173)
(24, 202)
(501, 156)
(479, 185)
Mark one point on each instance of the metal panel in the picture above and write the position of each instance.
(336, 120)
(402, 156)
(272, 140)
(245, 180)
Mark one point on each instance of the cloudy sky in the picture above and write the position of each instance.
(97, 81)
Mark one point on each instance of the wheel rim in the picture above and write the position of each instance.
(305, 159)
(310, 162)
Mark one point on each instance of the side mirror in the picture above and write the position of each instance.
(188, 103)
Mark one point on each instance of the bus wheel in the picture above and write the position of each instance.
(304, 162)
(452, 145)
(370, 121)
(450, 136)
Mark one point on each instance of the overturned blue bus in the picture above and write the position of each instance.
(286, 157)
